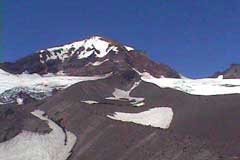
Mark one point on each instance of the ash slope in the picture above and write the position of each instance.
(203, 127)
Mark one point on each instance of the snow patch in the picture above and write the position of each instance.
(138, 104)
(29, 145)
(90, 102)
(98, 63)
(119, 94)
(129, 48)
(160, 117)
(19, 101)
(220, 77)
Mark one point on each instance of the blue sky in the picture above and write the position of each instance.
(196, 38)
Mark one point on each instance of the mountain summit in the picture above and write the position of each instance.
(92, 56)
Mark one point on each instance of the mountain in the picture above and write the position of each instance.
(97, 99)
(92, 56)
(232, 72)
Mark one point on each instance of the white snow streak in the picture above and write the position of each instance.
(98, 63)
(129, 48)
(160, 117)
(90, 102)
(34, 146)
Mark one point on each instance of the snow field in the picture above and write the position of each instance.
(160, 117)
(34, 146)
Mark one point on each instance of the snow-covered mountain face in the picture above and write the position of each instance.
(92, 56)
(94, 46)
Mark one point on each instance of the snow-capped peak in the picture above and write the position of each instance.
(96, 45)
(83, 43)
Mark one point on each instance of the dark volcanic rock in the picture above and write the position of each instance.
(142, 63)
(231, 73)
